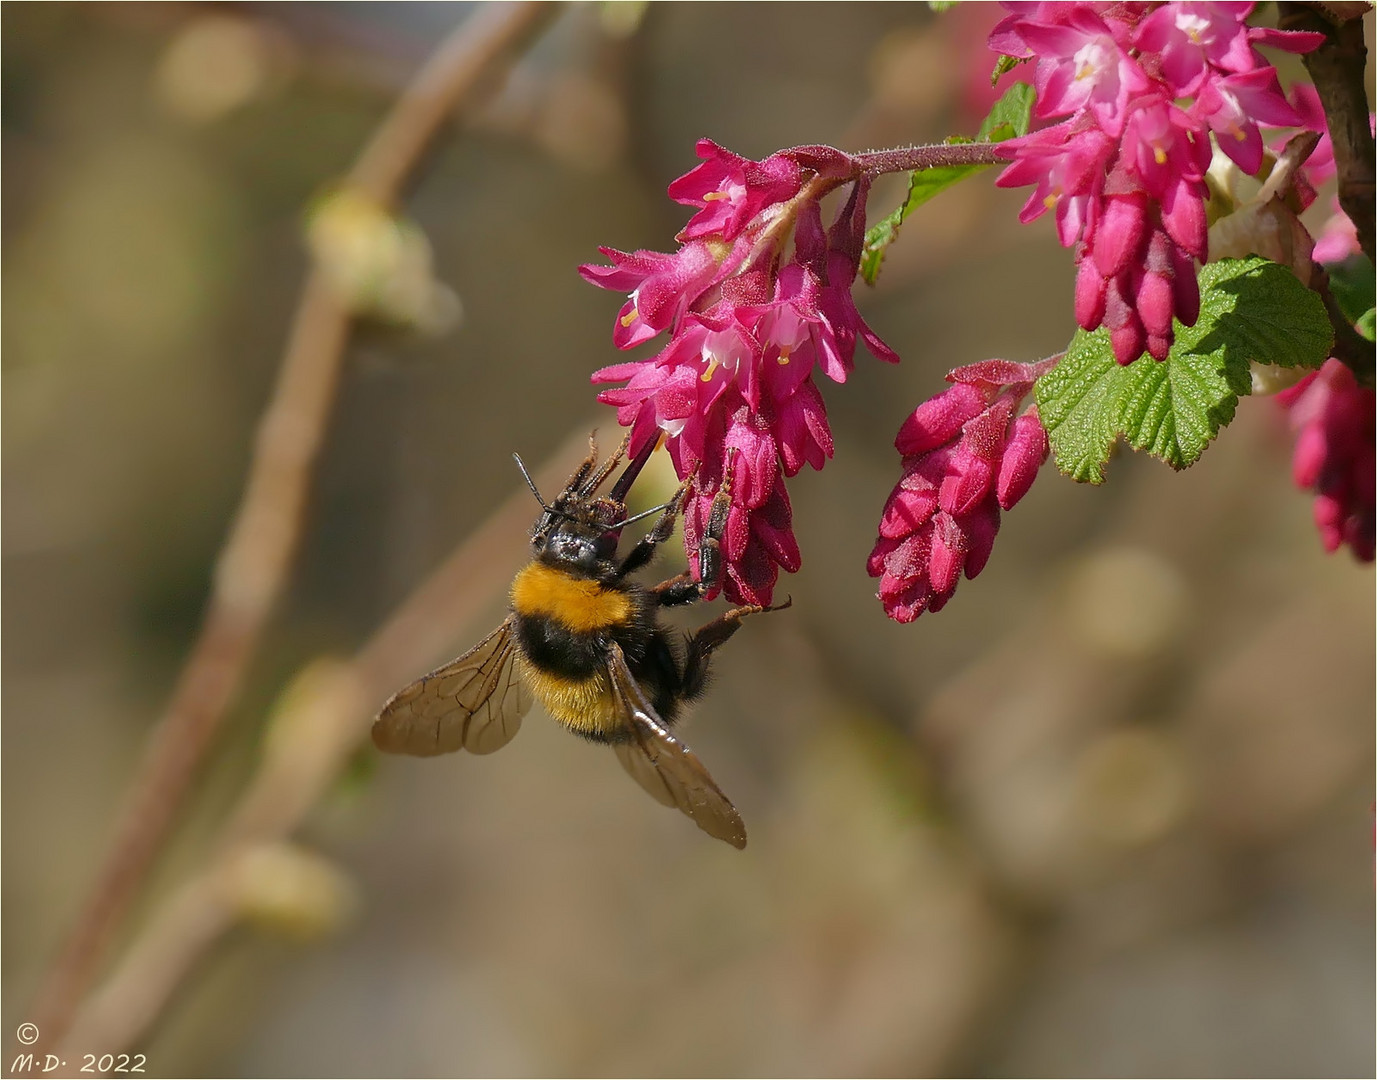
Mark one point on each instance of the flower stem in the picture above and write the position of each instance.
(911, 158)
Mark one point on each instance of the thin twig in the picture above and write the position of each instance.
(258, 553)
(305, 749)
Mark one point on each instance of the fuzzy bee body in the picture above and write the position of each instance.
(563, 623)
(585, 641)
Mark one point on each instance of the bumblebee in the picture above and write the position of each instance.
(585, 641)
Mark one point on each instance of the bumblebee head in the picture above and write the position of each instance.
(575, 544)
(581, 530)
(578, 532)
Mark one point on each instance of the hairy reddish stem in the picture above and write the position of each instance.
(910, 158)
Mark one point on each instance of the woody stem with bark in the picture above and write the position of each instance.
(1338, 70)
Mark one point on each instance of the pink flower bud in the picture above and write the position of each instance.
(942, 516)
(1090, 290)
(1336, 419)
(981, 529)
(949, 547)
(1121, 232)
(905, 511)
(1023, 457)
(968, 483)
(939, 419)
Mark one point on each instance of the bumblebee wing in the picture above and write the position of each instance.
(663, 765)
(473, 703)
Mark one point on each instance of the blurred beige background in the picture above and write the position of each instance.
(1109, 813)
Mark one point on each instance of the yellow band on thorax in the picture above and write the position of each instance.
(581, 604)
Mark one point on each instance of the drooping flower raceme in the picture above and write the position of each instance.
(1334, 419)
(966, 456)
(748, 320)
(1125, 170)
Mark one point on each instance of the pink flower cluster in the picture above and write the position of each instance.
(748, 321)
(966, 456)
(1124, 168)
(1335, 457)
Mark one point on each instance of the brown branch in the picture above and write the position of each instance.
(1337, 69)
(258, 553)
(304, 749)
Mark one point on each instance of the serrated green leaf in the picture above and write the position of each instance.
(1250, 310)
(1078, 406)
(1258, 310)
(1010, 116)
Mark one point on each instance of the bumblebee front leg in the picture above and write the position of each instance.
(661, 531)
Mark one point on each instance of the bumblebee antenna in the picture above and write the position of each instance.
(531, 484)
(644, 514)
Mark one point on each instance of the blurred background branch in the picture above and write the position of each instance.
(263, 537)
(320, 720)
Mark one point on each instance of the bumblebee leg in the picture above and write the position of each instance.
(683, 589)
(661, 531)
(581, 474)
(710, 568)
(680, 589)
(708, 638)
(589, 484)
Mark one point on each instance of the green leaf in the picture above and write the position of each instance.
(1352, 283)
(1003, 66)
(1250, 310)
(1012, 113)
(1259, 311)
(1079, 406)
(1009, 117)
(1367, 324)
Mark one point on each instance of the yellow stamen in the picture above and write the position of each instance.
(714, 196)
(1159, 155)
(630, 317)
(783, 357)
(1050, 201)
(712, 366)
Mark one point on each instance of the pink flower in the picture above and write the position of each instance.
(1192, 39)
(1081, 66)
(965, 457)
(1067, 163)
(1334, 456)
(1338, 239)
(732, 190)
(732, 392)
(662, 286)
(1234, 106)
(1163, 147)
(1125, 170)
